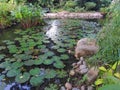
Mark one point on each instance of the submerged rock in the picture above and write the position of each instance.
(86, 47)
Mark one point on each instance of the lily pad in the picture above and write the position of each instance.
(46, 41)
(50, 73)
(61, 50)
(59, 64)
(2, 47)
(56, 58)
(12, 48)
(29, 62)
(38, 61)
(2, 77)
(2, 85)
(1, 56)
(55, 47)
(64, 57)
(22, 78)
(35, 71)
(36, 80)
(5, 64)
(49, 53)
(48, 61)
(16, 64)
(13, 72)
(8, 42)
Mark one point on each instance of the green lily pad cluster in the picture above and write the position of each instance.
(34, 57)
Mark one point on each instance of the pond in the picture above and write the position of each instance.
(32, 59)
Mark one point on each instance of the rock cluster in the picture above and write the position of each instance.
(80, 67)
(86, 47)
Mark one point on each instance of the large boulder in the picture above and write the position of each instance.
(86, 47)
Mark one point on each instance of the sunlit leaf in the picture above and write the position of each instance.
(99, 82)
(102, 68)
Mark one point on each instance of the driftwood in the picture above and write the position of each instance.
(65, 14)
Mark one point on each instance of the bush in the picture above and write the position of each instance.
(27, 15)
(5, 14)
(78, 9)
(70, 4)
(90, 5)
(109, 37)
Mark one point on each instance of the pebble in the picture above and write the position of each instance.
(75, 89)
(83, 71)
(62, 88)
(79, 63)
(82, 88)
(81, 59)
(90, 88)
(82, 67)
(68, 85)
(72, 72)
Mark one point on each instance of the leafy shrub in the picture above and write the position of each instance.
(70, 4)
(108, 77)
(78, 9)
(5, 14)
(90, 5)
(27, 15)
(105, 3)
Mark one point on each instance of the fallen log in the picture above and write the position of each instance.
(65, 14)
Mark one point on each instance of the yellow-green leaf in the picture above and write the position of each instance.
(99, 82)
(110, 72)
(114, 66)
(117, 75)
(102, 68)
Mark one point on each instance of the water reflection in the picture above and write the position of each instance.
(53, 31)
(16, 86)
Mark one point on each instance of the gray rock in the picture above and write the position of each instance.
(75, 89)
(62, 88)
(83, 71)
(81, 59)
(82, 67)
(79, 63)
(90, 88)
(82, 87)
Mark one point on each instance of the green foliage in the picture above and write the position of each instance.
(35, 71)
(22, 78)
(13, 73)
(110, 87)
(5, 14)
(105, 3)
(70, 4)
(52, 87)
(108, 38)
(108, 76)
(46, 2)
(31, 58)
(90, 5)
(36, 80)
(28, 15)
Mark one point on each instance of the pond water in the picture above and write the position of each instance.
(36, 57)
